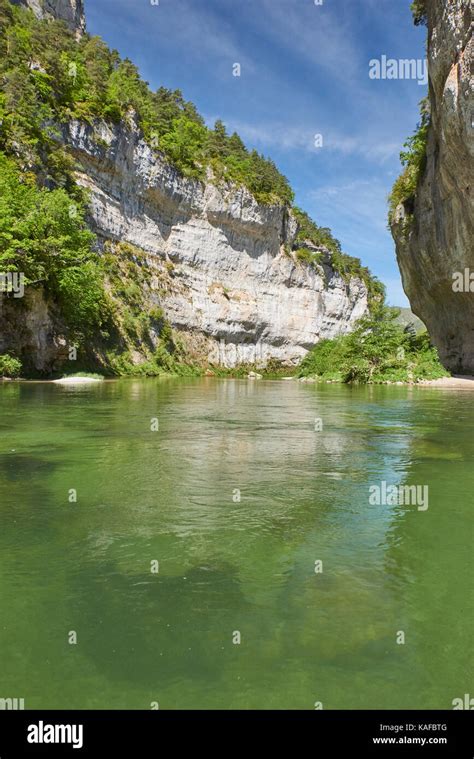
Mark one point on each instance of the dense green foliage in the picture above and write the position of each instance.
(47, 78)
(413, 158)
(310, 257)
(9, 366)
(309, 230)
(378, 350)
(43, 235)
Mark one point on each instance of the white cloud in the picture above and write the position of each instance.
(362, 203)
(283, 136)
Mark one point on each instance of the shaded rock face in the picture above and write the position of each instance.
(70, 11)
(438, 241)
(233, 289)
(30, 328)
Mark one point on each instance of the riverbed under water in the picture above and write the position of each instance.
(237, 495)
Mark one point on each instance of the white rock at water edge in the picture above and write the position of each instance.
(76, 380)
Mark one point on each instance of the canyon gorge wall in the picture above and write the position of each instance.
(434, 232)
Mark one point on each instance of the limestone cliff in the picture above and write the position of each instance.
(232, 284)
(70, 11)
(434, 232)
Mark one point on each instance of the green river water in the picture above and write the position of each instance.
(228, 565)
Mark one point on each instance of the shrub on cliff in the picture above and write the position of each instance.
(413, 158)
(419, 10)
(9, 367)
(343, 264)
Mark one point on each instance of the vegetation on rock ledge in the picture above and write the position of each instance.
(346, 266)
(413, 158)
(419, 10)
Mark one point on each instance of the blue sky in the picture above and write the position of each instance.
(304, 71)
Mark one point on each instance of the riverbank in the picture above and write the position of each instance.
(466, 382)
(455, 382)
(378, 351)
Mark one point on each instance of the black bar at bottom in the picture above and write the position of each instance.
(151, 733)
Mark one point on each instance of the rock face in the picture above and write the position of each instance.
(233, 290)
(30, 327)
(70, 11)
(438, 241)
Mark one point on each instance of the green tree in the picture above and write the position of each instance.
(236, 147)
(378, 350)
(185, 144)
(217, 146)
